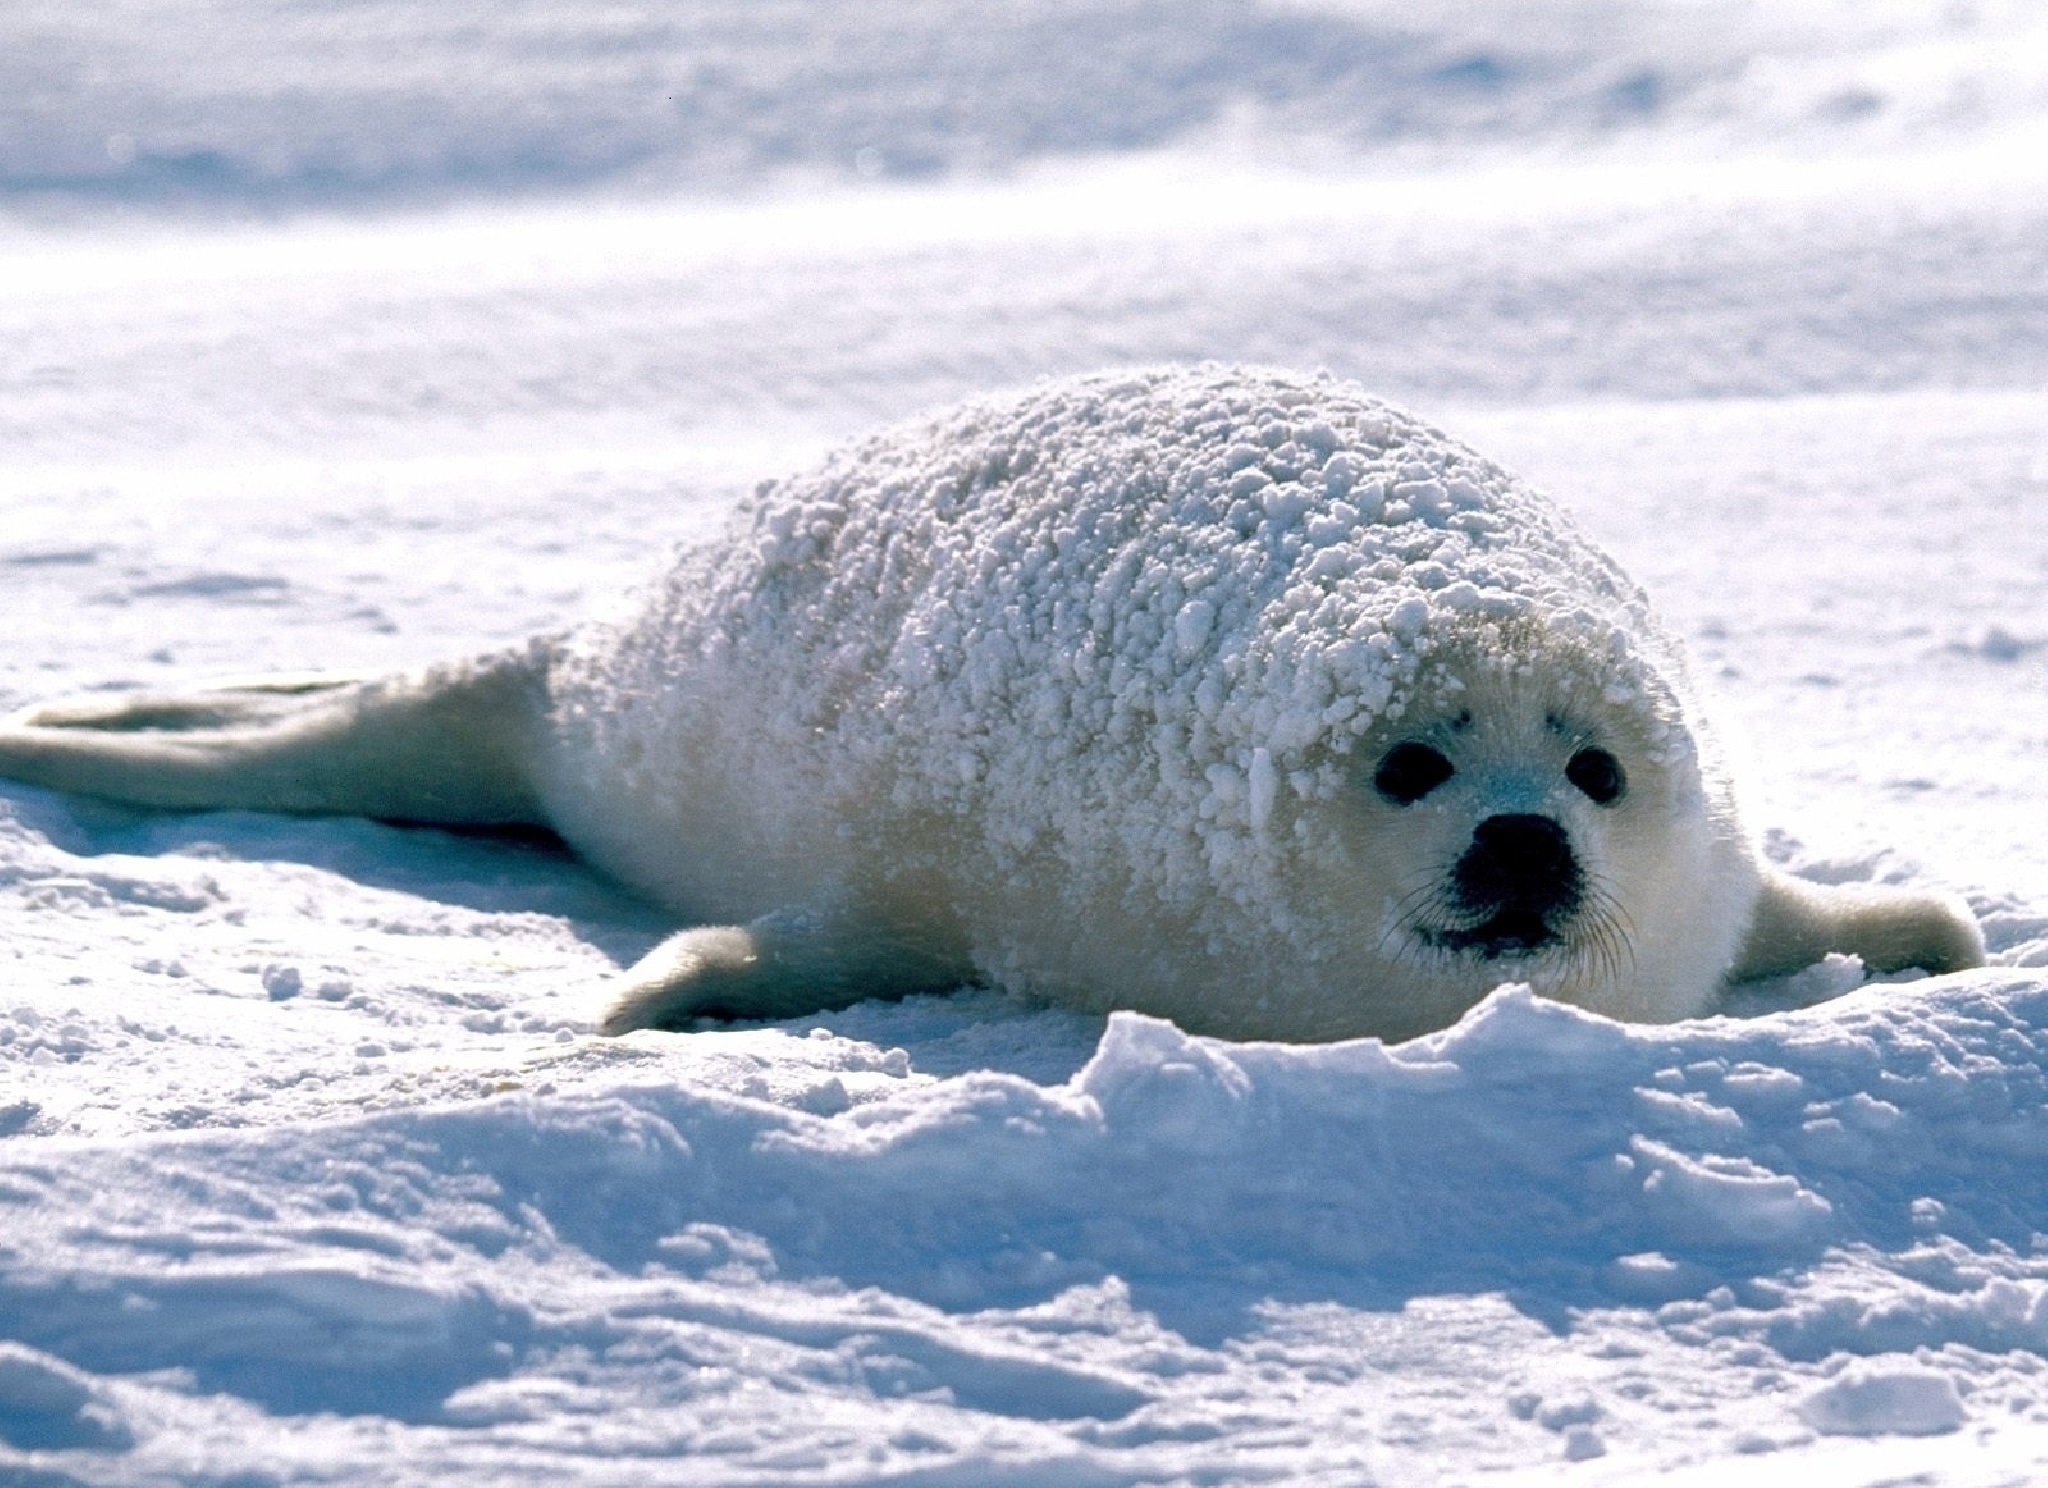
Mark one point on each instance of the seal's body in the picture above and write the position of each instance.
(1234, 697)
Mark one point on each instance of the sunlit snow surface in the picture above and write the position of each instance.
(361, 337)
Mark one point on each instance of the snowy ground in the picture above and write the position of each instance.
(362, 337)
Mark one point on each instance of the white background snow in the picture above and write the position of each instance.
(358, 336)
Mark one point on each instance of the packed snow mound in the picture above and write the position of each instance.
(1538, 1235)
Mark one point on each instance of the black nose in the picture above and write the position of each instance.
(1521, 861)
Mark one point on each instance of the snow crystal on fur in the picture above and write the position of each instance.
(1123, 624)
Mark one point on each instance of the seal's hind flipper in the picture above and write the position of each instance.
(448, 745)
(223, 705)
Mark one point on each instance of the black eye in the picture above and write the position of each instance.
(1410, 772)
(1598, 774)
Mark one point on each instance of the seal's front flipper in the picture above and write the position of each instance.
(449, 745)
(1797, 923)
(783, 965)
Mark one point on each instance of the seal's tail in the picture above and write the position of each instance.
(450, 744)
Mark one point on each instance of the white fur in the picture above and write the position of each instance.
(1082, 691)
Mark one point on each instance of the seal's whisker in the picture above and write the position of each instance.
(1401, 922)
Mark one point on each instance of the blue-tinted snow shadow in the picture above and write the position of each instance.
(1560, 1161)
(909, 98)
(363, 1349)
(534, 872)
(492, 871)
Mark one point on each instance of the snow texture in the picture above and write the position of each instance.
(372, 336)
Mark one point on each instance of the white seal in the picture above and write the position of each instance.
(1235, 697)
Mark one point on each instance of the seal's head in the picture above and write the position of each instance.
(1514, 885)
(1521, 821)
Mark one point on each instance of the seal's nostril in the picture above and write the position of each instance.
(1523, 841)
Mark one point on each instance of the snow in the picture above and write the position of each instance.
(1882, 1400)
(361, 338)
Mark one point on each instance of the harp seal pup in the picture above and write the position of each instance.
(1232, 696)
